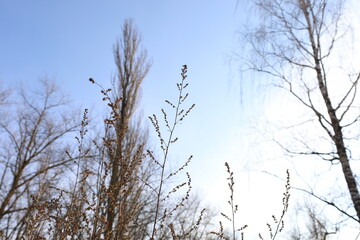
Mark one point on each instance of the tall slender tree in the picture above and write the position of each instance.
(127, 138)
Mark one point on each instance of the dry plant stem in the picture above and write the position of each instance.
(280, 224)
(233, 218)
(231, 202)
(234, 209)
(80, 140)
(167, 147)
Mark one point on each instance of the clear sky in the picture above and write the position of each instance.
(71, 41)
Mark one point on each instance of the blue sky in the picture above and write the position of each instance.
(71, 41)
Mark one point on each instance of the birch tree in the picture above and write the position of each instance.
(296, 45)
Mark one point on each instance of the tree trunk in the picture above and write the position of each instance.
(337, 137)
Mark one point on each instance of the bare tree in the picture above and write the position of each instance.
(126, 139)
(32, 153)
(295, 45)
(4, 94)
(316, 226)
